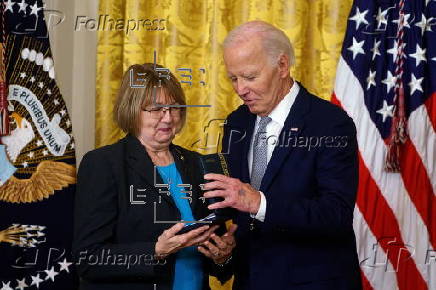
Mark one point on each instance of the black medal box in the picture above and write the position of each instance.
(212, 163)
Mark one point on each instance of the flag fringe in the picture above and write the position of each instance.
(399, 137)
(4, 114)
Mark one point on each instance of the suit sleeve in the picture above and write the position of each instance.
(97, 255)
(329, 211)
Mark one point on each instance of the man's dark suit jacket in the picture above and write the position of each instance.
(307, 239)
(107, 223)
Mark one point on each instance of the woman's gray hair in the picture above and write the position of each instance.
(274, 40)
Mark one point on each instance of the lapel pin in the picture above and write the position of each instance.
(294, 129)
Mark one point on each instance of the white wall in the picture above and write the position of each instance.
(74, 54)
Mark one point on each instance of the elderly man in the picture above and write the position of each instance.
(293, 160)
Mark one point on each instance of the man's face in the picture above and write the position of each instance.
(258, 83)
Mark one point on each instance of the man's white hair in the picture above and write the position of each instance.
(274, 40)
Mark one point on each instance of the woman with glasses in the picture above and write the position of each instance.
(131, 196)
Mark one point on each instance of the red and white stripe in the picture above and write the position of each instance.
(396, 209)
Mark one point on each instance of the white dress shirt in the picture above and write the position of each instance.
(278, 117)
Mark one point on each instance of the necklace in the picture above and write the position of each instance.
(158, 161)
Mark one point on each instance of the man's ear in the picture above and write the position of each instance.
(283, 64)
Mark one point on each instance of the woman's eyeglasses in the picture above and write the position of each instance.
(159, 112)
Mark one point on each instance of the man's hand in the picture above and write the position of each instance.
(236, 194)
(221, 248)
(168, 242)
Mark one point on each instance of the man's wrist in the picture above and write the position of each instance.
(223, 262)
(260, 214)
(256, 204)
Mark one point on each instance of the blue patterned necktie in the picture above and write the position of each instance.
(260, 146)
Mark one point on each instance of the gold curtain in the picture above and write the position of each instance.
(187, 37)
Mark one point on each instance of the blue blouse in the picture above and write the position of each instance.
(188, 269)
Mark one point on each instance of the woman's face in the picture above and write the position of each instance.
(159, 125)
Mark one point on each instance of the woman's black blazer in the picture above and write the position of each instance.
(119, 214)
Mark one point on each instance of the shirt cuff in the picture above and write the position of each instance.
(262, 208)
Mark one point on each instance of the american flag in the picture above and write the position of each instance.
(37, 158)
(387, 68)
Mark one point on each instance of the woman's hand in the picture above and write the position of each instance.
(221, 248)
(168, 242)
